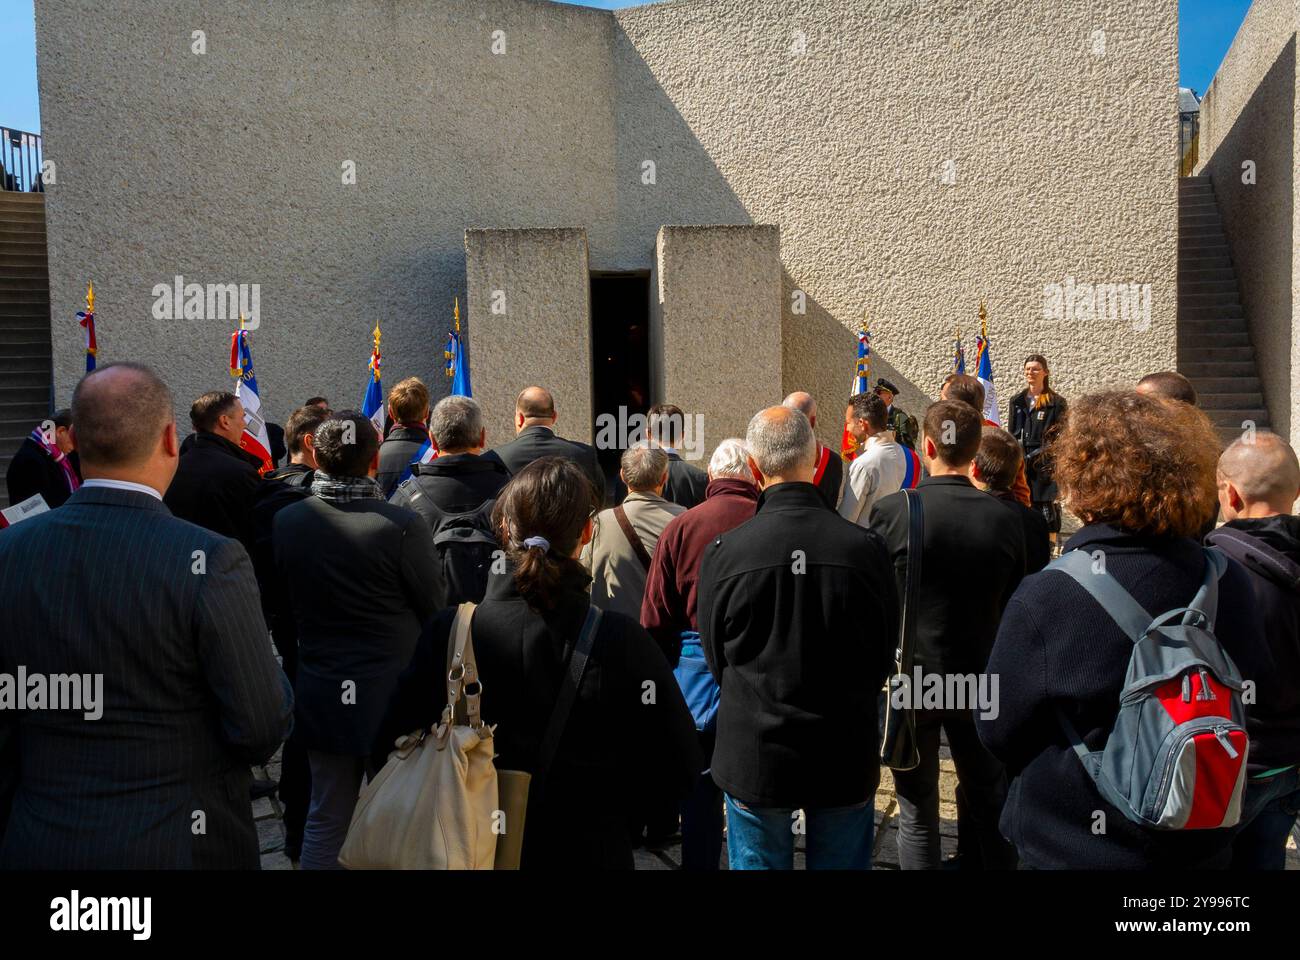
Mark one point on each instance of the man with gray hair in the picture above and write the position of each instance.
(829, 474)
(798, 616)
(165, 616)
(1259, 482)
(668, 612)
(623, 538)
(462, 477)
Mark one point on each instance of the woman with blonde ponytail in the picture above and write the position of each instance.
(629, 732)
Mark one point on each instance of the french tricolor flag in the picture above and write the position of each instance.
(255, 439)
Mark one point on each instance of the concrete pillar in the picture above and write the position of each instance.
(716, 325)
(529, 310)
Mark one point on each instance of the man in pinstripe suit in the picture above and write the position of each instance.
(113, 585)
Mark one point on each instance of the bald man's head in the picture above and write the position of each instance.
(119, 413)
(781, 444)
(1258, 477)
(535, 403)
(803, 402)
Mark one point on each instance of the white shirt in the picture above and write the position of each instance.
(874, 473)
(123, 485)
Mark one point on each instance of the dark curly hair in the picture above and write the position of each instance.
(550, 498)
(1144, 464)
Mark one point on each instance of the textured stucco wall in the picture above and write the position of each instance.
(1248, 114)
(226, 167)
(718, 317)
(541, 283)
(1065, 166)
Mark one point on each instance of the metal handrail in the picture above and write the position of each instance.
(20, 161)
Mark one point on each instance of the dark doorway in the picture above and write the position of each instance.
(620, 356)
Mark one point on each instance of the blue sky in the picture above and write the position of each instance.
(1206, 29)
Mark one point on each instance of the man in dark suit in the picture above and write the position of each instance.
(687, 483)
(160, 619)
(829, 472)
(362, 580)
(45, 463)
(798, 620)
(408, 411)
(973, 557)
(535, 438)
(216, 482)
(997, 465)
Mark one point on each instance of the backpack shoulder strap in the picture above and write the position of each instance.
(1127, 613)
(911, 610)
(625, 524)
(462, 670)
(572, 679)
(1206, 601)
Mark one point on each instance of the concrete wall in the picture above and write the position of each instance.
(718, 318)
(227, 167)
(529, 304)
(835, 120)
(1248, 114)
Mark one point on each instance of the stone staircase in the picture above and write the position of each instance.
(25, 373)
(1214, 349)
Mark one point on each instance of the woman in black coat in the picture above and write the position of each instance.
(629, 732)
(1057, 649)
(1034, 416)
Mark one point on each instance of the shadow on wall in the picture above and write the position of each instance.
(1259, 220)
(819, 355)
(664, 175)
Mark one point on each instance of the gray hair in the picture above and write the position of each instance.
(730, 460)
(643, 467)
(456, 423)
(780, 439)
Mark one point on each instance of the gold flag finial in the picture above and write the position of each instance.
(241, 319)
(456, 313)
(90, 297)
(376, 334)
(984, 321)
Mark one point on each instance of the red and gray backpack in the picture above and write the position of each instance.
(1176, 756)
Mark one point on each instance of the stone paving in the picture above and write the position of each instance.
(270, 831)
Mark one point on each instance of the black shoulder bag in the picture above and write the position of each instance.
(898, 749)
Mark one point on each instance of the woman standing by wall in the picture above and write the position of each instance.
(1033, 415)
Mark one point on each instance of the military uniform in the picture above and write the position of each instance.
(904, 426)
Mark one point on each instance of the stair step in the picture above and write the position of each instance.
(18, 248)
(1229, 401)
(1194, 354)
(1235, 418)
(1198, 218)
(23, 259)
(17, 335)
(1200, 240)
(31, 411)
(1226, 384)
(1195, 369)
(28, 232)
(1211, 261)
(30, 380)
(13, 216)
(19, 363)
(1208, 298)
(31, 349)
(1200, 273)
(1210, 313)
(1219, 338)
(24, 273)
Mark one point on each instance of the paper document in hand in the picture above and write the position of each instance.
(23, 511)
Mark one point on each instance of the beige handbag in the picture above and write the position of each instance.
(435, 805)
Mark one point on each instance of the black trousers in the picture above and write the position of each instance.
(295, 771)
(983, 785)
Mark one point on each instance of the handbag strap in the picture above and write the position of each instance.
(574, 670)
(911, 583)
(628, 531)
(462, 671)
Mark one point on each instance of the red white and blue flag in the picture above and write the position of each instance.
(254, 439)
(86, 318)
(372, 402)
(984, 370)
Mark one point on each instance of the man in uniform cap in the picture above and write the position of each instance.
(902, 423)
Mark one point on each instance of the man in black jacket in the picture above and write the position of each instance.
(362, 581)
(798, 619)
(1259, 482)
(973, 551)
(462, 477)
(216, 481)
(995, 470)
(408, 411)
(45, 463)
(687, 483)
(535, 438)
(159, 619)
(300, 440)
(829, 472)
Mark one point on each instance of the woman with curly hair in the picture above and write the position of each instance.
(1139, 471)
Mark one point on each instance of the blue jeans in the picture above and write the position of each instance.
(335, 784)
(1268, 815)
(762, 838)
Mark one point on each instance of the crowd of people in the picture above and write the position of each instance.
(760, 620)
